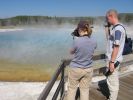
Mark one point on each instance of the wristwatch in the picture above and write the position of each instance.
(112, 62)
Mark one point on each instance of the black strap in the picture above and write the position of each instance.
(124, 29)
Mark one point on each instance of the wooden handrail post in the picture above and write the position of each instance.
(62, 78)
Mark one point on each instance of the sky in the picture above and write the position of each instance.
(9, 8)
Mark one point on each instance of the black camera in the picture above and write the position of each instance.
(75, 33)
(115, 65)
(107, 24)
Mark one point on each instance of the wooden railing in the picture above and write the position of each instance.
(49, 86)
(60, 71)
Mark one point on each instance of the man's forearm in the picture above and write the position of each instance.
(114, 53)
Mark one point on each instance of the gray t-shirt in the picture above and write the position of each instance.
(117, 37)
(83, 52)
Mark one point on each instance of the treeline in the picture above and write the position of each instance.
(42, 20)
(126, 17)
(47, 20)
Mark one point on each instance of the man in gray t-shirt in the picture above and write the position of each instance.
(115, 45)
(80, 70)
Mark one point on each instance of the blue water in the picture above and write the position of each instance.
(43, 46)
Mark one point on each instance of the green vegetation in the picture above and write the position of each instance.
(47, 20)
(41, 20)
(127, 17)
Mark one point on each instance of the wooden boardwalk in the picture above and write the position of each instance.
(100, 91)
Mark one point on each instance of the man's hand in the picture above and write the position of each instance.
(111, 67)
(113, 57)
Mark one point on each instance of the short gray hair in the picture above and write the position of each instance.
(113, 12)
